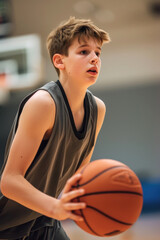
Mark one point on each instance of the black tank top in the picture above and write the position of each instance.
(56, 160)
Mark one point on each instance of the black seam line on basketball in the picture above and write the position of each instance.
(113, 232)
(112, 192)
(106, 215)
(106, 234)
(85, 220)
(100, 173)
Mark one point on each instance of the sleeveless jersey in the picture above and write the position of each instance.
(56, 160)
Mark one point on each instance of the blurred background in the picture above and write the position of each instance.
(129, 84)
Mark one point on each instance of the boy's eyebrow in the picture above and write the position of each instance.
(86, 45)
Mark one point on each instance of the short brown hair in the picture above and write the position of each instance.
(60, 39)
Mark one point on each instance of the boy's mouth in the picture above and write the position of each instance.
(93, 70)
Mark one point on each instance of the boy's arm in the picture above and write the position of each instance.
(36, 121)
(101, 114)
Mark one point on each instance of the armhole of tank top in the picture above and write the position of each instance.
(94, 105)
(21, 106)
(44, 142)
(94, 115)
(23, 102)
(95, 111)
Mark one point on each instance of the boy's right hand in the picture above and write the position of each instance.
(65, 206)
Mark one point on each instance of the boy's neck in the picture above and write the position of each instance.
(75, 95)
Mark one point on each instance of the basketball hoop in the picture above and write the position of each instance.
(20, 64)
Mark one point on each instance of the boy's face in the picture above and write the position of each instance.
(82, 65)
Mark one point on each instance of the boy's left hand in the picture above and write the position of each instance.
(65, 206)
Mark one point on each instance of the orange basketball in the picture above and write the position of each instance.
(113, 195)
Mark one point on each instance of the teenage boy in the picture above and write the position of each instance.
(54, 133)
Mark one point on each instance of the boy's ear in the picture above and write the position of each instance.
(58, 61)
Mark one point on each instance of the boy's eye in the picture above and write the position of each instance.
(98, 54)
(83, 52)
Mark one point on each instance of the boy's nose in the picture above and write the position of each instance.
(94, 59)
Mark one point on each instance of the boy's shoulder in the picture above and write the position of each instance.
(39, 110)
(100, 104)
(41, 99)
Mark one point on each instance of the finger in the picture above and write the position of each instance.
(74, 206)
(71, 181)
(75, 217)
(67, 197)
